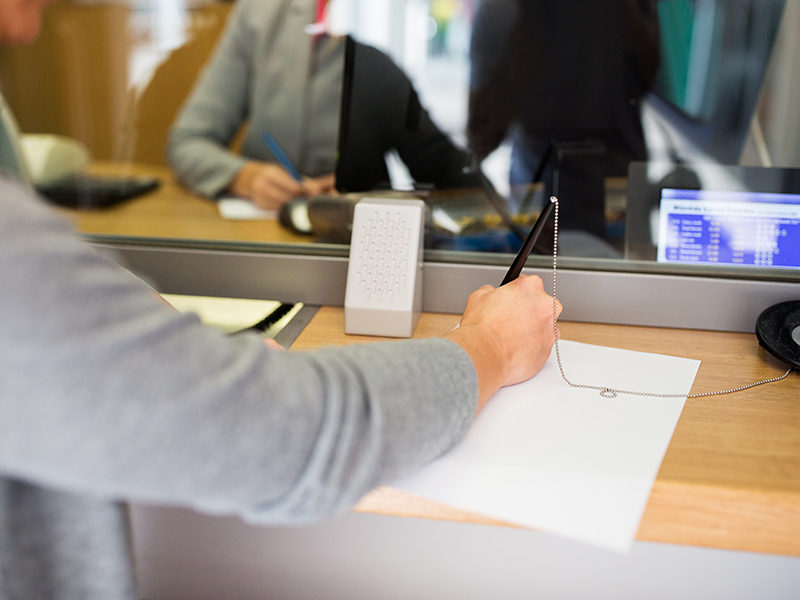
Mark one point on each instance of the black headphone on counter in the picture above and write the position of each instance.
(778, 331)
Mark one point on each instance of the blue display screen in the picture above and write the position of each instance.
(729, 228)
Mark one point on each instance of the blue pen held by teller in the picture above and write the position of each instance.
(280, 156)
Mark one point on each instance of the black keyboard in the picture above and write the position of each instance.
(93, 191)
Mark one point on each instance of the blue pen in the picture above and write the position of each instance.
(280, 155)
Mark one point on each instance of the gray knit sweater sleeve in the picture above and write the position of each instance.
(197, 148)
(105, 390)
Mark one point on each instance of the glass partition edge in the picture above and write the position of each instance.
(628, 298)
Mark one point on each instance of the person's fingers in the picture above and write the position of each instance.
(268, 199)
(475, 299)
(273, 187)
(272, 344)
(479, 293)
(279, 179)
(326, 184)
(508, 332)
(531, 282)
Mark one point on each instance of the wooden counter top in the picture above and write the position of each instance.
(731, 476)
(172, 212)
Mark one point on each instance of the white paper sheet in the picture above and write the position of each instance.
(565, 460)
(242, 209)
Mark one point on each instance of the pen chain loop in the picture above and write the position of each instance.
(607, 392)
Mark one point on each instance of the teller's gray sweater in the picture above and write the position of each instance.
(109, 395)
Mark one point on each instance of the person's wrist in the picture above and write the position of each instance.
(487, 357)
(242, 184)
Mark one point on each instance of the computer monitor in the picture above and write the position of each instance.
(710, 214)
(381, 114)
(710, 227)
(378, 105)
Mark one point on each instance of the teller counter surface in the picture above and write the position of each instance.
(731, 476)
(172, 212)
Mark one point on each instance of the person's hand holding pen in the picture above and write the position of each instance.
(508, 332)
(270, 185)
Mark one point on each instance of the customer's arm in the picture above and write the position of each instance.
(106, 390)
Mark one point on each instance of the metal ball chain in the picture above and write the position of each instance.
(607, 392)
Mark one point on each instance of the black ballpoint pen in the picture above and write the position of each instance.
(519, 260)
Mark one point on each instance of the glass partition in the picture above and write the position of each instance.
(483, 108)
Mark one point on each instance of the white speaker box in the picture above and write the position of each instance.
(384, 278)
